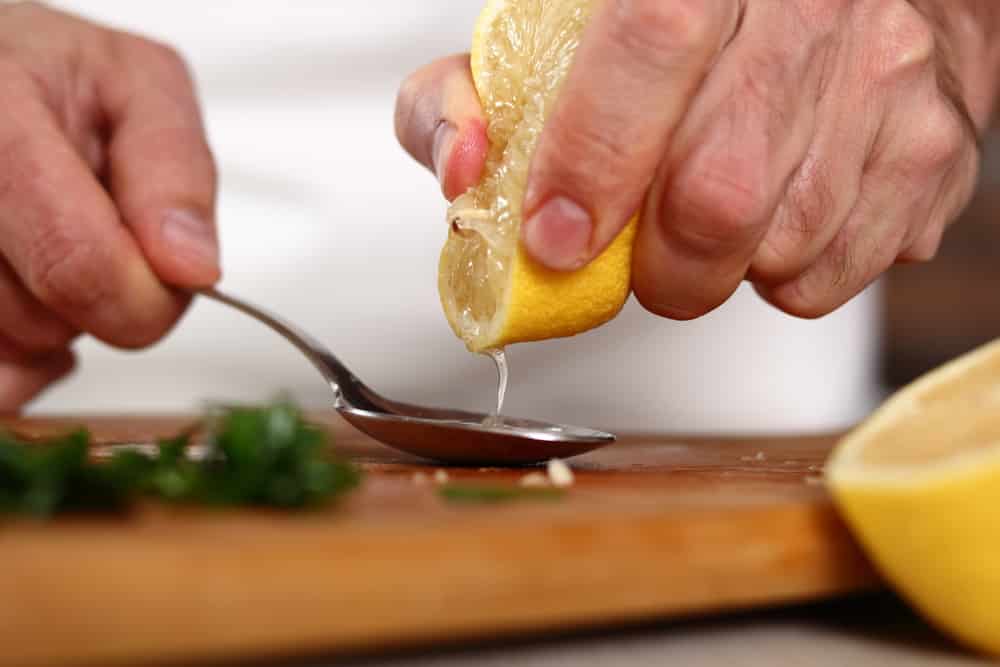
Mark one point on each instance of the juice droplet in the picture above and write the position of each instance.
(500, 359)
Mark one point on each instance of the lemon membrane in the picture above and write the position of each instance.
(517, 70)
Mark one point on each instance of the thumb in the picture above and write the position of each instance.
(439, 122)
(637, 67)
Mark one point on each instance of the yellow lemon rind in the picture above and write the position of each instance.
(542, 304)
(931, 530)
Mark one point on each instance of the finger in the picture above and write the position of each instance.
(21, 382)
(925, 247)
(25, 321)
(63, 237)
(439, 122)
(729, 166)
(863, 249)
(904, 195)
(825, 189)
(637, 66)
(161, 172)
(907, 192)
(954, 195)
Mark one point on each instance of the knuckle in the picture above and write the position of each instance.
(926, 247)
(804, 212)
(808, 205)
(939, 143)
(795, 300)
(158, 59)
(779, 258)
(919, 254)
(419, 110)
(717, 208)
(906, 38)
(769, 81)
(656, 31)
(409, 102)
(582, 156)
(411, 88)
(853, 260)
(164, 55)
(65, 273)
(816, 293)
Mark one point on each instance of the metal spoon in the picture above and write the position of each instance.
(448, 436)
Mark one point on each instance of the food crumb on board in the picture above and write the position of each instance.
(441, 476)
(534, 479)
(559, 473)
(759, 456)
(420, 478)
(813, 480)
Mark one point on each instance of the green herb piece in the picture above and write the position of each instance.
(492, 494)
(57, 476)
(268, 456)
(264, 456)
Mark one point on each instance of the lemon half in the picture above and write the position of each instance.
(919, 484)
(492, 292)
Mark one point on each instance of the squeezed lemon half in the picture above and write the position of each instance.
(919, 484)
(492, 293)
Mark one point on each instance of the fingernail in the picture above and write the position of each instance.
(191, 238)
(558, 234)
(444, 138)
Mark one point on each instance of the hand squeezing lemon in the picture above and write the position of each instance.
(492, 292)
(919, 482)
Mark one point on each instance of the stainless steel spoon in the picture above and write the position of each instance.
(448, 436)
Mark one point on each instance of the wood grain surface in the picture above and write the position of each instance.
(655, 527)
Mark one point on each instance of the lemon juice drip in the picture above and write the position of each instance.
(500, 360)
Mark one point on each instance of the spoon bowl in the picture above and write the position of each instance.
(437, 434)
(473, 440)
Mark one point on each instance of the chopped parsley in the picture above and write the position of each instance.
(262, 456)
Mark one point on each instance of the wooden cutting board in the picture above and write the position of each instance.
(655, 527)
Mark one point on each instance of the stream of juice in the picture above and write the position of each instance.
(500, 360)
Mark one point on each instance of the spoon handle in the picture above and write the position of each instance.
(341, 380)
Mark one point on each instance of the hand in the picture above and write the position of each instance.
(107, 193)
(803, 145)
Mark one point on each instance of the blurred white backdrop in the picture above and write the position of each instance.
(325, 220)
